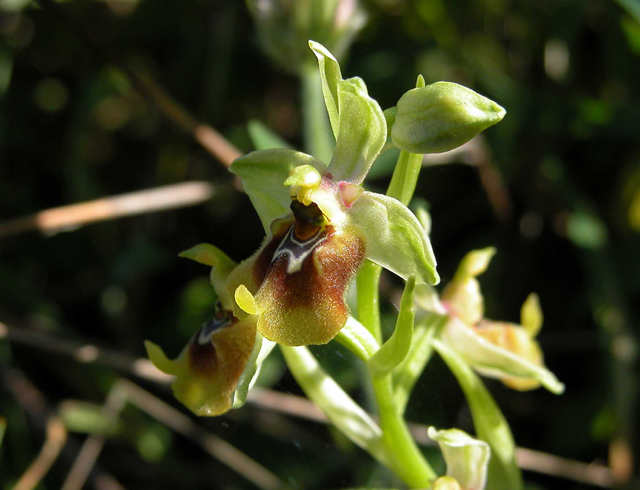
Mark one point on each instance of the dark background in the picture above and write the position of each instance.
(564, 169)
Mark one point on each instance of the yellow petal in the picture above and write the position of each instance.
(245, 300)
(531, 316)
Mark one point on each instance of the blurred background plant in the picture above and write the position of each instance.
(555, 187)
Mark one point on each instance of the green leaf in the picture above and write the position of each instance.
(263, 174)
(338, 406)
(88, 418)
(362, 132)
(394, 237)
(494, 361)
(263, 138)
(441, 117)
(331, 75)
(466, 457)
(408, 372)
(489, 422)
(395, 350)
(261, 349)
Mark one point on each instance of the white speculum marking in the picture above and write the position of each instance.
(208, 329)
(297, 250)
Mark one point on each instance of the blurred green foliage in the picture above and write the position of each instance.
(567, 155)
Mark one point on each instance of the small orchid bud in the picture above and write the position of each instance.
(462, 295)
(440, 117)
(446, 483)
(286, 25)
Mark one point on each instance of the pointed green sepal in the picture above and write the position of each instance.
(441, 117)
(159, 359)
(489, 422)
(331, 75)
(467, 458)
(221, 266)
(362, 132)
(263, 174)
(395, 239)
(395, 350)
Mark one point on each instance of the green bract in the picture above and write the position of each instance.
(466, 457)
(441, 117)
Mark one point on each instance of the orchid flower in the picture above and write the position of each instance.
(502, 350)
(214, 371)
(321, 224)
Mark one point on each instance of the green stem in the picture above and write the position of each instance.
(317, 130)
(405, 177)
(406, 459)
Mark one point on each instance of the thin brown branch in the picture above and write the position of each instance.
(51, 221)
(88, 455)
(212, 141)
(56, 436)
(124, 391)
(528, 459)
(83, 352)
(33, 402)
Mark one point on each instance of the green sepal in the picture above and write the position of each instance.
(331, 75)
(221, 266)
(263, 174)
(494, 361)
(362, 132)
(467, 458)
(489, 422)
(261, 349)
(394, 237)
(440, 117)
(263, 138)
(344, 413)
(395, 350)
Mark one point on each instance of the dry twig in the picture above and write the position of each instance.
(124, 391)
(212, 141)
(51, 221)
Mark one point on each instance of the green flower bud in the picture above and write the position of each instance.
(441, 117)
(285, 26)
